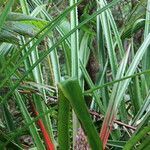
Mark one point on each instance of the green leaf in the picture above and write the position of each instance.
(146, 60)
(72, 91)
(5, 13)
(135, 138)
(9, 37)
(27, 119)
(63, 122)
(116, 144)
(12, 16)
(20, 28)
(8, 118)
(11, 144)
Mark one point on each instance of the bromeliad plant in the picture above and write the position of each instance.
(72, 67)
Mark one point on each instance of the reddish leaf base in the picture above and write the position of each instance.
(106, 129)
(48, 141)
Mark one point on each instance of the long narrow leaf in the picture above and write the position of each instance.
(56, 44)
(72, 91)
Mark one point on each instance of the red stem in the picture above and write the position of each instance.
(48, 141)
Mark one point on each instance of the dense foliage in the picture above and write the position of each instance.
(75, 74)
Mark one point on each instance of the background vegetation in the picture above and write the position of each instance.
(74, 74)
